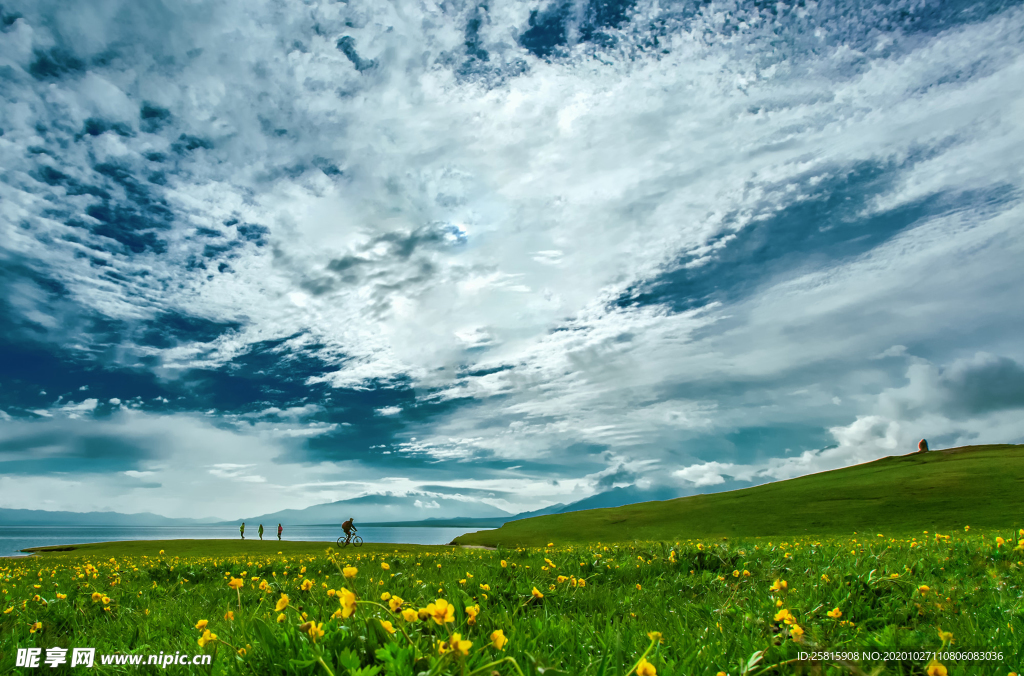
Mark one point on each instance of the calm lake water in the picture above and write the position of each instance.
(15, 538)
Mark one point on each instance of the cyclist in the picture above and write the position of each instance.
(349, 528)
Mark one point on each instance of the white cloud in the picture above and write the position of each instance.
(479, 224)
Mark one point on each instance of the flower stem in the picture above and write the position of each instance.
(324, 664)
(494, 664)
(649, 648)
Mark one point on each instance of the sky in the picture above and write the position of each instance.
(269, 254)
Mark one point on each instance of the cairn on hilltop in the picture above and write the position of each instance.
(922, 446)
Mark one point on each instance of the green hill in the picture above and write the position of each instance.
(980, 486)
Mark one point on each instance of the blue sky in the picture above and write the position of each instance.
(263, 255)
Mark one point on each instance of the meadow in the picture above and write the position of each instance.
(737, 606)
(936, 491)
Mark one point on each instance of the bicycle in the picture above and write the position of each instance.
(354, 540)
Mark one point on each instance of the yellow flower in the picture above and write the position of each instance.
(396, 603)
(106, 600)
(485, 587)
(9, 610)
(537, 593)
(230, 615)
(388, 627)
(385, 566)
(551, 544)
(655, 636)
(207, 637)
(350, 572)
(442, 611)
(161, 551)
(307, 584)
(645, 668)
(780, 585)
(735, 573)
(33, 628)
(638, 587)
(581, 582)
(504, 563)
(498, 639)
(64, 596)
(264, 585)
(236, 583)
(924, 589)
(201, 624)
(1000, 542)
(410, 615)
(835, 614)
(282, 603)
(385, 596)
(96, 597)
(561, 579)
(936, 668)
(460, 646)
(945, 636)
(314, 630)
(281, 617)
(472, 611)
(785, 616)
(347, 600)
(241, 652)
(796, 632)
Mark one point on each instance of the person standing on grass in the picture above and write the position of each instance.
(261, 532)
(241, 530)
(279, 529)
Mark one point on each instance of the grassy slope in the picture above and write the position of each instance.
(221, 548)
(941, 490)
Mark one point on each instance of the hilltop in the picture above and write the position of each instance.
(939, 490)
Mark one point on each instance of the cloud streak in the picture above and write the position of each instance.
(683, 247)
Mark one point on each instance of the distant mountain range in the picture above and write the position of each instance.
(381, 509)
(375, 510)
(39, 517)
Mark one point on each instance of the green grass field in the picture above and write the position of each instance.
(877, 600)
(564, 609)
(939, 490)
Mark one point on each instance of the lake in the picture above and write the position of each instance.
(15, 538)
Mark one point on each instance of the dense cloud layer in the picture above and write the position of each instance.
(520, 252)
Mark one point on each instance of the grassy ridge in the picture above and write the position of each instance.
(939, 490)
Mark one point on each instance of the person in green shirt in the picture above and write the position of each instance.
(261, 532)
(241, 530)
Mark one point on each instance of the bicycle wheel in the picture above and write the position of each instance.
(357, 541)
(342, 542)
